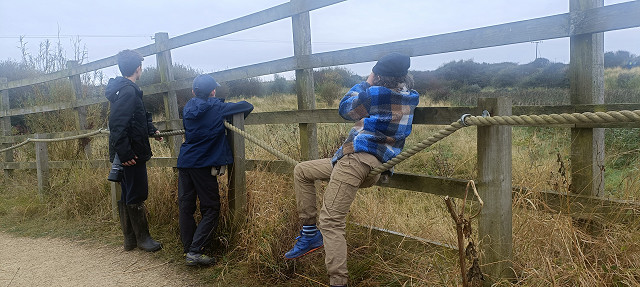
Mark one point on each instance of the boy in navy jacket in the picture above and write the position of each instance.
(130, 127)
(204, 151)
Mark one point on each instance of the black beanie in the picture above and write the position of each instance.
(393, 65)
(203, 85)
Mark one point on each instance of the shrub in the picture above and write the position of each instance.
(628, 81)
(623, 146)
(622, 85)
(280, 85)
(340, 76)
(475, 88)
(441, 94)
(329, 92)
(251, 87)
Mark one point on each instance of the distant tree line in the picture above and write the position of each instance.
(469, 76)
(622, 59)
(456, 77)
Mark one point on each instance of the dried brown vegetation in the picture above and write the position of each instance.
(550, 248)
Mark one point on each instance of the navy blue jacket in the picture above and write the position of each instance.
(129, 123)
(206, 142)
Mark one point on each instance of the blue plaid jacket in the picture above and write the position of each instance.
(384, 119)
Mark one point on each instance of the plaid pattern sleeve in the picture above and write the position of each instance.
(355, 104)
(384, 118)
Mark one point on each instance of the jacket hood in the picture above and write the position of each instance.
(114, 85)
(197, 107)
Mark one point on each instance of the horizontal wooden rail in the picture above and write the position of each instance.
(53, 107)
(158, 88)
(266, 16)
(430, 115)
(295, 117)
(420, 183)
(551, 27)
(622, 16)
(273, 14)
(569, 204)
(96, 163)
(537, 110)
(582, 205)
(608, 18)
(20, 138)
(422, 116)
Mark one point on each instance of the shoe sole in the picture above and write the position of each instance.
(152, 249)
(194, 263)
(305, 253)
(191, 263)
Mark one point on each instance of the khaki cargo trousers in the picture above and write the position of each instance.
(348, 174)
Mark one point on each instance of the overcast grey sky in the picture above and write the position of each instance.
(106, 27)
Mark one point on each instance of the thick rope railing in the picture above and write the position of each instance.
(551, 119)
(81, 136)
(554, 119)
(247, 136)
(163, 134)
(407, 153)
(261, 144)
(465, 121)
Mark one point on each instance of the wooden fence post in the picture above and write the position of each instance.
(494, 186)
(237, 173)
(81, 112)
(5, 128)
(42, 165)
(165, 68)
(304, 81)
(586, 86)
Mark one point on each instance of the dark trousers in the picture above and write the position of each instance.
(197, 183)
(135, 185)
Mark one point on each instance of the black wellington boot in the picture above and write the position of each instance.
(138, 217)
(127, 230)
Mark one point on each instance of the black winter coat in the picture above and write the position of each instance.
(129, 123)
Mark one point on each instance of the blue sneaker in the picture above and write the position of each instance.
(305, 245)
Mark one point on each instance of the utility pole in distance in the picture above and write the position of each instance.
(536, 42)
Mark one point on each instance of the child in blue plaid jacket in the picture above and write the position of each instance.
(382, 108)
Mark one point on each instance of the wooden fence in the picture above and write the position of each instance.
(584, 25)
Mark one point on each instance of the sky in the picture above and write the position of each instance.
(106, 27)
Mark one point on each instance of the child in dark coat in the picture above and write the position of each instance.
(204, 152)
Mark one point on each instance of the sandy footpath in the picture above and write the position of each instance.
(60, 262)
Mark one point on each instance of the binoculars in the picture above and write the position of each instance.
(115, 174)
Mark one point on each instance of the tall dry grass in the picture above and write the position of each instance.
(550, 249)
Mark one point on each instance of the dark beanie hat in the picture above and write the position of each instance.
(128, 62)
(203, 85)
(392, 65)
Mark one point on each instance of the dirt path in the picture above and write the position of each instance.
(60, 262)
